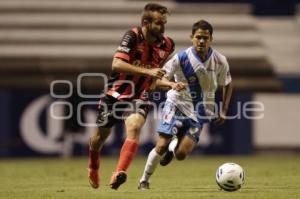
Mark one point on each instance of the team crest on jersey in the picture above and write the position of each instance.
(161, 53)
(174, 130)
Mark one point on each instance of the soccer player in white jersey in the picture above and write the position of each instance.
(202, 69)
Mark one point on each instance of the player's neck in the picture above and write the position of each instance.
(202, 55)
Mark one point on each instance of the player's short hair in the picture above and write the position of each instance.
(150, 8)
(204, 25)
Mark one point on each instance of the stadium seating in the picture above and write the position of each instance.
(59, 39)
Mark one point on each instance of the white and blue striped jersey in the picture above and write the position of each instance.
(202, 79)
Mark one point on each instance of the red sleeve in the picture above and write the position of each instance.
(127, 45)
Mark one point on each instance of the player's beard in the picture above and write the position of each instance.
(156, 34)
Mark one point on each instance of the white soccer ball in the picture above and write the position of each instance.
(230, 176)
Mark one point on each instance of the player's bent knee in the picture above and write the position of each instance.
(161, 148)
(134, 122)
(162, 144)
(180, 155)
(102, 133)
(133, 127)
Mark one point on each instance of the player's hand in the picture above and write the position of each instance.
(178, 86)
(157, 72)
(221, 119)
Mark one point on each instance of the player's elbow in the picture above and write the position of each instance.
(116, 65)
(230, 85)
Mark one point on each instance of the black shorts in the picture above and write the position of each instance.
(111, 110)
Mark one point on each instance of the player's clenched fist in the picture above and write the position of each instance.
(178, 86)
(157, 72)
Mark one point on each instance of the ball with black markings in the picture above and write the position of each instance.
(230, 176)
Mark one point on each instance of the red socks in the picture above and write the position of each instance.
(93, 159)
(127, 154)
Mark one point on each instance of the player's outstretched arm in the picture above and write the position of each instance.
(119, 65)
(227, 92)
(164, 83)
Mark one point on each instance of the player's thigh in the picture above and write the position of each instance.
(133, 123)
(107, 117)
(99, 137)
(169, 122)
(103, 133)
(191, 137)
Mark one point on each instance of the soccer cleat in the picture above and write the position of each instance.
(167, 158)
(93, 168)
(93, 177)
(144, 185)
(117, 179)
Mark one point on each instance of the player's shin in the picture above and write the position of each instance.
(93, 159)
(152, 162)
(93, 167)
(127, 154)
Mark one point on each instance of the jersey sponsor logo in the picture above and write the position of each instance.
(161, 53)
(139, 64)
(123, 49)
(124, 43)
(126, 39)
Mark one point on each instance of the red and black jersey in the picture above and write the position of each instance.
(135, 50)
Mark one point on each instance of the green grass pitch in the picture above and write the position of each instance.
(267, 177)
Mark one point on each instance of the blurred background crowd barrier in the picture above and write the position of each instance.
(53, 54)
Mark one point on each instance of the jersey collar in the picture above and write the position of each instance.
(197, 56)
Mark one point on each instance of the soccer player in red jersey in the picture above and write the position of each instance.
(136, 66)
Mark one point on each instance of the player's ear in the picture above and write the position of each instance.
(145, 22)
(191, 37)
(211, 38)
